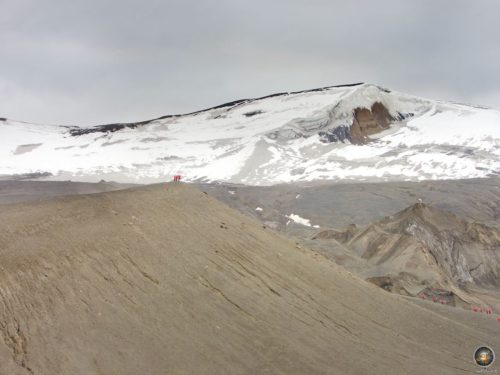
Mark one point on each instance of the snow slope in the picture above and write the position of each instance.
(275, 139)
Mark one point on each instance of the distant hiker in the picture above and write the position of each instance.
(177, 178)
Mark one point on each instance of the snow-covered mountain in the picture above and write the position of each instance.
(358, 132)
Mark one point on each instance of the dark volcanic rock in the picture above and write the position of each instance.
(339, 134)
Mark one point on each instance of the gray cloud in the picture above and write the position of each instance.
(97, 61)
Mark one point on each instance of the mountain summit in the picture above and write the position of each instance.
(358, 132)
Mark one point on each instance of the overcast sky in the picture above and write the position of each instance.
(88, 62)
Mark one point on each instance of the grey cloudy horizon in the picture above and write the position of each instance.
(101, 61)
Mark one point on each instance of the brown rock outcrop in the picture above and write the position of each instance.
(369, 121)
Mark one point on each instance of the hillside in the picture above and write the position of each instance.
(354, 132)
(164, 279)
(335, 205)
(14, 191)
(422, 251)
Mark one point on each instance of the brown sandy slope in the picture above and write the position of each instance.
(166, 280)
(14, 191)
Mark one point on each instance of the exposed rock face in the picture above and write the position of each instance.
(366, 122)
(338, 134)
(431, 246)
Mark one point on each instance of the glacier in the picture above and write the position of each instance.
(282, 138)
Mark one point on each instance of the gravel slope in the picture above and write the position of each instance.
(165, 279)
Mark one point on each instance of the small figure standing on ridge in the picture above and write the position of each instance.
(177, 178)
